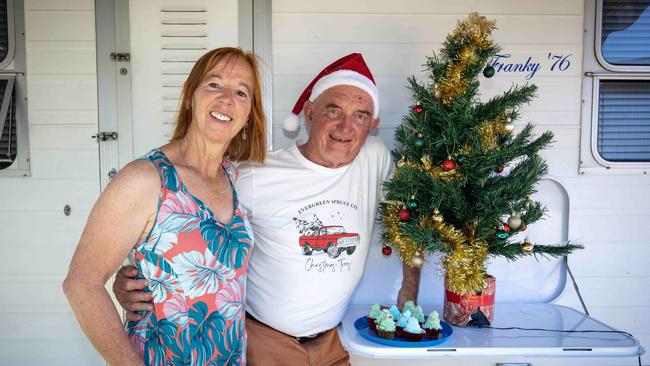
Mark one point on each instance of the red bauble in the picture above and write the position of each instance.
(500, 169)
(386, 250)
(449, 164)
(404, 214)
(418, 108)
(506, 227)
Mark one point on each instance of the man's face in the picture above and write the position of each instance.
(339, 121)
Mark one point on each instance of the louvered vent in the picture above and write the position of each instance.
(183, 39)
(8, 139)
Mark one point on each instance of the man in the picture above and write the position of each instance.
(312, 208)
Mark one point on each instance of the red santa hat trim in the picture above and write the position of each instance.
(348, 70)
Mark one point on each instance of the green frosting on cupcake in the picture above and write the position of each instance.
(433, 321)
(418, 314)
(375, 311)
(408, 305)
(387, 324)
(382, 314)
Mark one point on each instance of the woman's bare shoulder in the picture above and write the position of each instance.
(136, 178)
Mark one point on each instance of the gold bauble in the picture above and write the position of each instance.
(509, 127)
(417, 260)
(527, 247)
(437, 217)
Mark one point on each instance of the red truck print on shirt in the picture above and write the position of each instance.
(331, 239)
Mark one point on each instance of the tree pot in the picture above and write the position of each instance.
(470, 309)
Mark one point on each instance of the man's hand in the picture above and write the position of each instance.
(129, 294)
(410, 285)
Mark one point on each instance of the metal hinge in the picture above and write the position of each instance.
(119, 57)
(105, 136)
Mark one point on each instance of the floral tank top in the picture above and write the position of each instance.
(196, 268)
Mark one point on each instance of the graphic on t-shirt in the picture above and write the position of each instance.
(331, 239)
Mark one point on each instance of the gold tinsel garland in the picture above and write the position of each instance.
(407, 248)
(426, 166)
(465, 261)
(454, 82)
(476, 31)
(489, 130)
(465, 265)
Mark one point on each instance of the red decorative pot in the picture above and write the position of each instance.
(462, 309)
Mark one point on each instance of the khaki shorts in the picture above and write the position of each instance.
(270, 347)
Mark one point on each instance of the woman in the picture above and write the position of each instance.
(175, 213)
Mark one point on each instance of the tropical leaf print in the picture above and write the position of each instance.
(206, 330)
(165, 168)
(198, 293)
(176, 310)
(201, 273)
(229, 299)
(161, 283)
(232, 350)
(167, 334)
(159, 261)
(179, 213)
(159, 242)
(163, 337)
(139, 331)
(169, 176)
(231, 244)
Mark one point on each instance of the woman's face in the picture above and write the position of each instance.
(222, 102)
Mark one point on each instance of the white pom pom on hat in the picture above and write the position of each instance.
(348, 70)
(291, 123)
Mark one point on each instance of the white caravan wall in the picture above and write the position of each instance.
(36, 239)
(608, 213)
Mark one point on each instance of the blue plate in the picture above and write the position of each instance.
(364, 330)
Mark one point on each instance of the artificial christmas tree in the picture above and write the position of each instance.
(452, 155)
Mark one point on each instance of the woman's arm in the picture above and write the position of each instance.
(113, 227)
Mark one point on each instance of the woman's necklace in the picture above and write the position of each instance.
(226, 180)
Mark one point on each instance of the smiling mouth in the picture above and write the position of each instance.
(221, 117)
(339, 139)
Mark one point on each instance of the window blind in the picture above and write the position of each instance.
(624, 120)
(8, 140)
(625, 30)
(4, 31)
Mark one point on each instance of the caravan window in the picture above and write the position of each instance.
(7, 121)
(14, 151)
(620, 115)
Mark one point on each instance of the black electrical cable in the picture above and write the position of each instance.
(562, 331)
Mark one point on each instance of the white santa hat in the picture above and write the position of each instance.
(348, 70)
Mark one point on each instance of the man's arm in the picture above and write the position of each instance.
(128, 292)
(410, 285)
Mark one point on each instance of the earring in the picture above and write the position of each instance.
(243, 132)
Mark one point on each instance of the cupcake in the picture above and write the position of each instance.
(395, 313)
(412, 331)
(382, 314)
(374, 313)
(386, 328)
(401, 323)
(408, 305)
(432, 326)
(418, 314)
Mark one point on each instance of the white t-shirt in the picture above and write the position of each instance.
(313, 228)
